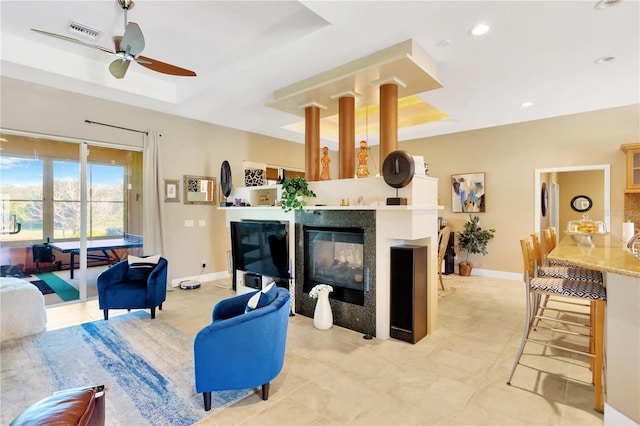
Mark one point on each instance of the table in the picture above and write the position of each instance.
(621, 270)
(107, 247)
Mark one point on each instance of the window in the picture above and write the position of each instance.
(22, 197)
(40, 190)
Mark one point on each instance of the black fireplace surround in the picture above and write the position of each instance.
(338, 247)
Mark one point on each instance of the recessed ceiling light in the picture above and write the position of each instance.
(605, 4)
(526, 104)
(480, 29)
(605, 59)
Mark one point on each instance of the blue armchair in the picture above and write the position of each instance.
(136, 286)
(239, 349)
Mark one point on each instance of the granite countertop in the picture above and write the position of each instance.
(608, 255)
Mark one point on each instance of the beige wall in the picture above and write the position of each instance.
(188, 147)
(508, 155)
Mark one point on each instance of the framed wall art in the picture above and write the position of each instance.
(171, 193)
(468, 193)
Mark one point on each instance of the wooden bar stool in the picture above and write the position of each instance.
(536, 287)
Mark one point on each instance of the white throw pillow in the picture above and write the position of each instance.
(150, 259)
(262, 298)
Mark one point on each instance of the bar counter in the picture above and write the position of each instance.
(621, 270)
(608, 255)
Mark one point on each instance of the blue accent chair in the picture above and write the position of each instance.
(117, 290)
(241, 350)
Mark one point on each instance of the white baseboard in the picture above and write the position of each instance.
(490, 273)
(205, 277)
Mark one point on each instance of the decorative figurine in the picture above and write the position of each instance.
(363, 156)
(325, 161)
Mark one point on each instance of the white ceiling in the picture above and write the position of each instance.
(537, 51)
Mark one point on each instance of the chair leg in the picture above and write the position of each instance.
(592, 340)
(160, 306)
(541, 309)
(525, 335)
(153, 313)
(265, 391)
(440, 276)
(106, 314)
(207, 400)
(599, 353)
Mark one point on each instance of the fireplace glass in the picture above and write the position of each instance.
(335, 256)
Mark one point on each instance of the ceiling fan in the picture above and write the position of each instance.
(128, 48)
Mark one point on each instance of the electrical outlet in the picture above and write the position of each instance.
(204, 265)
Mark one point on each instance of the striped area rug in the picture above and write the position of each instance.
(146, 364)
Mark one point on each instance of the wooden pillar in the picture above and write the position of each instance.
(388, 120)
(347, 136)
(312, 143)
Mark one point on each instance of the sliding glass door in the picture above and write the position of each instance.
(68, 210)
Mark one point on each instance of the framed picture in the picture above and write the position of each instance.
(171, 193)
(468, 193)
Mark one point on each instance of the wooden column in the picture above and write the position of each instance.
(347, 136)
(388, 120)
(312, 143)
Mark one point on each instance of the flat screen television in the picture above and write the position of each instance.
(260, 247)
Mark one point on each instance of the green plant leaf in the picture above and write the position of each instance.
(293, 189)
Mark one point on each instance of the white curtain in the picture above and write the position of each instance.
(152, 196)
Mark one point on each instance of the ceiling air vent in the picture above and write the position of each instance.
(83, 30)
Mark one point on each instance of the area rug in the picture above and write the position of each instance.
(146, 364)
(43, 287)
(64, 290)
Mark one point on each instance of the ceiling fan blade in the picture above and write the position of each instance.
(74, 40)
(163, 67)
(133, 40)
(118, 68)
(117, 41)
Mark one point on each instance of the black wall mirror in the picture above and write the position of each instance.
(544, 199)
(581, 203)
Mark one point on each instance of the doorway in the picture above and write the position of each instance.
(555, 206)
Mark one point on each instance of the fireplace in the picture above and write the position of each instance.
(338, 247)
(335, 256)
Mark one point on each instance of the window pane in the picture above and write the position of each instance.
(66, 177)
(21, 194)
(107, 219)
(107, 182)
(66, 219)
(21, 178)
(28, 214)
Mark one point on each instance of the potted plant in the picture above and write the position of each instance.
(293, 192)
(474, 240)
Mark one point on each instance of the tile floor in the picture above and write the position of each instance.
(455, 376)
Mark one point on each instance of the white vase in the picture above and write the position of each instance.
(322, 316)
